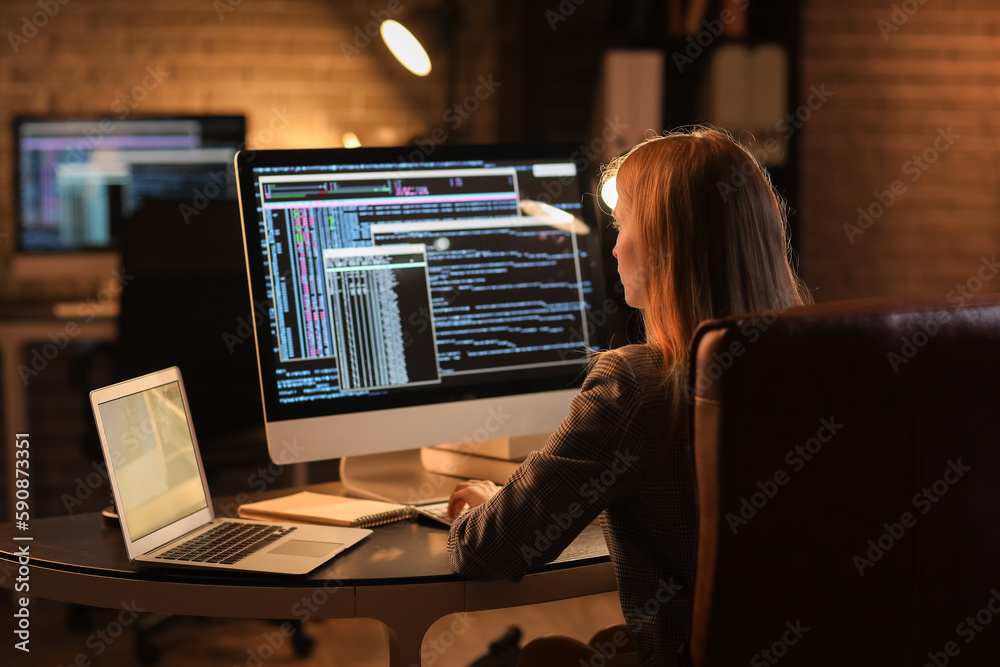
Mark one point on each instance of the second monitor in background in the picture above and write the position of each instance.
(79, 179)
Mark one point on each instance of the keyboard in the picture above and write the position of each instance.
(439, 512)
(226, 543)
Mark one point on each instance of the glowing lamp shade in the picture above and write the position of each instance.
(405, 47)
(350, 140)
(609, 193)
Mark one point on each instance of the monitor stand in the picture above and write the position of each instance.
(394, 477)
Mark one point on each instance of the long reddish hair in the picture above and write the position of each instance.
(712, 237)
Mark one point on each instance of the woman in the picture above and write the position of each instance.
(701, 235)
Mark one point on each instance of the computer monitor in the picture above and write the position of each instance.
(77, 177)
(403, 300)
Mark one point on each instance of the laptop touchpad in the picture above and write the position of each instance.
(305, 548)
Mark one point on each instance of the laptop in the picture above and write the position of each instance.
(162, 497)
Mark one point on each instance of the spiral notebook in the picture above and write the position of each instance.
(322, 508)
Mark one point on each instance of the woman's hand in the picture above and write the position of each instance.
(473, 493)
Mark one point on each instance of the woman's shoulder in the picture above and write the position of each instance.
(643, 362)
(641, 355)
(637, 352)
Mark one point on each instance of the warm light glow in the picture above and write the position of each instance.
(540, 209)
(553, 216)
(405, 47)
(609, 192)
(350, 140)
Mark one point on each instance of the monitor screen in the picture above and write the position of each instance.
(77, 178)
(404, 300)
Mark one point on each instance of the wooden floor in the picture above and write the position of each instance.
(192, 642)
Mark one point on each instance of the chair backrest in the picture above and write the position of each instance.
(848, 473)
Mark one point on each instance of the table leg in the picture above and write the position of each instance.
(408, 611)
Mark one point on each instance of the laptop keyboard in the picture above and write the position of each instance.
(226, 543)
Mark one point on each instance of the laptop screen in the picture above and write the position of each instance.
(153, 458)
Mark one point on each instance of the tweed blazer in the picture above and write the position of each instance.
(610, 457)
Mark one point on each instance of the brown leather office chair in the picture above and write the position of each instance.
(848, 472)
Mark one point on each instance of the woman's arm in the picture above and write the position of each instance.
(555, 493)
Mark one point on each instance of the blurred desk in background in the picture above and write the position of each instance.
(48, 328)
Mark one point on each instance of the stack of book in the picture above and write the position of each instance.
(494, 460)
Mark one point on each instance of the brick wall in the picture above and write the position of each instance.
(282, 63)
(897, 85)
(914, 108)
